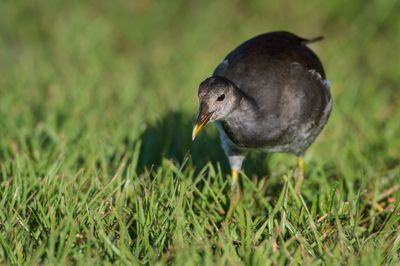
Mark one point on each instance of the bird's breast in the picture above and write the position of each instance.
(253, 134)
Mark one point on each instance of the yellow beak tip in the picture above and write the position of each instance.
(196, 131)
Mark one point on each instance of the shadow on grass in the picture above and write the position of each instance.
(170, 137)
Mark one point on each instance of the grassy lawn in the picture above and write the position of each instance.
(97, 104)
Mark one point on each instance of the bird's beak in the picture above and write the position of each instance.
(202, 120)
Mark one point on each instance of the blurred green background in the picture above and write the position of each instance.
(91, 90)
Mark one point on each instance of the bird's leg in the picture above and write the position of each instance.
(235, 193)
(300, 173)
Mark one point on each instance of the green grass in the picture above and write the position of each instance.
(97, 103)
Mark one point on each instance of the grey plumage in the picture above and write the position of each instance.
(278, 97)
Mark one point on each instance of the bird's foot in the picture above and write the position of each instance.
(236, 194)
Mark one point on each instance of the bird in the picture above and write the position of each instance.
(271, 94)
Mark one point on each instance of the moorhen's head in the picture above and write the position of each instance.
(218, 97)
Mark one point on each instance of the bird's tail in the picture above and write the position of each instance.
(316, 39)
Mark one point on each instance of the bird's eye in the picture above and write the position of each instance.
(221, 97)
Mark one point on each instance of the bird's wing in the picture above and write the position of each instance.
(299, 73)
(308, 94)
(260, 65)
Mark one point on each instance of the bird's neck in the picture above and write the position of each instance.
(240, 122)
(244, 112)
